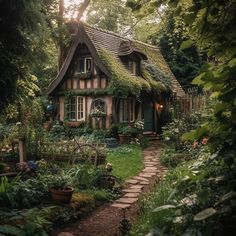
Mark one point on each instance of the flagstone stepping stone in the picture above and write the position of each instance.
(132, 190)
(150, 168)
(127, 200)
(148, 157)
(147, 171)
(131, 195)
(145, 175)
(154, 172)
(149, 165)
(148, 161)
(132, 181)
(121, 205)
(151, 162)
(140, 178)
(137, 187)
(146, 152)
(65, 234)
(144, 182)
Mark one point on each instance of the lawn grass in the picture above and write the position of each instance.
(126, 161)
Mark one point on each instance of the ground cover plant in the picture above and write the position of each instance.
(197, 197)
(26, 205)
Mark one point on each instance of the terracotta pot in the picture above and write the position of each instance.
(62, 195)
(124, 138)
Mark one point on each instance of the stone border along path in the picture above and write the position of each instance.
(105, 220)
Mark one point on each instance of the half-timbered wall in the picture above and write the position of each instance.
(88, 103)
(97, 80)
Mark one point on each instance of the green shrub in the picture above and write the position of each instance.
(144, 142)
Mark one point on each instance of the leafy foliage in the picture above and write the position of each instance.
(110, 15)
(122, 82)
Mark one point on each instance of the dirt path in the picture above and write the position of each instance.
(105, 220)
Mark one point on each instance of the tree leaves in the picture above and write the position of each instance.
(203, 215)
(164, 207)
(186, 44)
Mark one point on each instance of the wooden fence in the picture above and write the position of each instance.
(73, 151)
(194, 101)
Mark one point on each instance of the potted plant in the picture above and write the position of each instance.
(124, 133)
(60, 189)
(137, 128)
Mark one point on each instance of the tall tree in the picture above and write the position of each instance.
(168, 33)
(19, 19)
(185, 63)
(76, 11)
(110, 15)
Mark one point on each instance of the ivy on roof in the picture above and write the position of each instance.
(122, 83)
(151, 70)
(154, 56)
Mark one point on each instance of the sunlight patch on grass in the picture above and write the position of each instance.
(126, 161)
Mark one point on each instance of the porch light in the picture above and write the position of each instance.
(158, 106)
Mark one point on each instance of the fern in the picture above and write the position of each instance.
(9, 229)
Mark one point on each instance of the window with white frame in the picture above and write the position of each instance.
(133, 67)
(127, 110)
(76, 108)
(84, 64)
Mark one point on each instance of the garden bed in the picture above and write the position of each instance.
(26, 204)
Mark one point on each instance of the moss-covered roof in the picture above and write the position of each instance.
(105, 49)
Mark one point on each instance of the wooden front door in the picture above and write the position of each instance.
(148, 115)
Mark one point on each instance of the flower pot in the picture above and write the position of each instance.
(62, 195)
(124, 138)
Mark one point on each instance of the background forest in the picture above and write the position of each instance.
(197, 39)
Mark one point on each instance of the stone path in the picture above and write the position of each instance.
(105, 220)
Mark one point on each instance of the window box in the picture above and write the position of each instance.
(98, 114)
(73, 123)
(83, 75)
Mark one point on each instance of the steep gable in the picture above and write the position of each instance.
(106, 49)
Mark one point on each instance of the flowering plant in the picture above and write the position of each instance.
(139, 125)
(97, 112)
(125, 130)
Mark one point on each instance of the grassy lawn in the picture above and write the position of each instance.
(126, 161)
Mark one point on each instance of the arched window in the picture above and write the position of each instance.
(98, 105)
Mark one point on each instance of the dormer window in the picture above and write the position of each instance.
(84, 65)
(133, 67)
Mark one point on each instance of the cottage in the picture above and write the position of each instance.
(109, 79)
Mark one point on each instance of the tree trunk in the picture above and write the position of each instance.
(82, 9)
(61, 47)
(22, 152)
